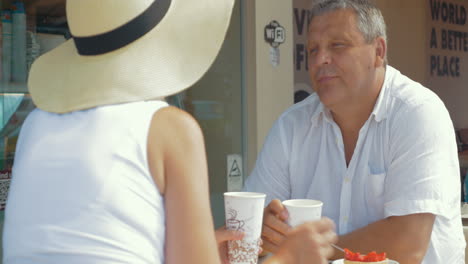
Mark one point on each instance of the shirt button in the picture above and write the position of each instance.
(345, 219)
(347, 179)
(337, 140)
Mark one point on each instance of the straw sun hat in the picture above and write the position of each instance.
(129, 50)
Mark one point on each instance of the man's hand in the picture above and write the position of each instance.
(307, 243)
(274, 228)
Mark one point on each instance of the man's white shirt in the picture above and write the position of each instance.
(405, 162)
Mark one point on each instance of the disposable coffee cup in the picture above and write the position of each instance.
(303, 210)
(244, 212)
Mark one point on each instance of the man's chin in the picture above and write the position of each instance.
(327, 99)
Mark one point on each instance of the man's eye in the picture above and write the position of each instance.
(338, 45)
(313, 51)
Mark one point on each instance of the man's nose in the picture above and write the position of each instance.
(322, 56)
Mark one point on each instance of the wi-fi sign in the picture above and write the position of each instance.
(274, 34)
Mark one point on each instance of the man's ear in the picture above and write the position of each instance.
(380, 51)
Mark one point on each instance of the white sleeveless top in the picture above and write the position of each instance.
(81, 190)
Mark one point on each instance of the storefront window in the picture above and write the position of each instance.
(28, 29)
(216, 102)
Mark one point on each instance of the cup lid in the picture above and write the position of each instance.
(303, 203)
(244, 194)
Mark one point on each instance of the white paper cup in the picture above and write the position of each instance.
(303, 210)
(244, 212)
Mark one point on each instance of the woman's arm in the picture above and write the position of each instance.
(177, 159)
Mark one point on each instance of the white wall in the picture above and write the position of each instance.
(269, 88)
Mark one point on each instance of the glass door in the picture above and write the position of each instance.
(216, 102)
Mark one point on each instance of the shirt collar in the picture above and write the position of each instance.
(380, 108)
(321, 112)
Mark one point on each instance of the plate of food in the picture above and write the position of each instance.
(342, 261)
(370, 258)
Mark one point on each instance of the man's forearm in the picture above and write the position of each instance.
(403, 238)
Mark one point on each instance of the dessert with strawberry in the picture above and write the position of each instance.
(372, 257)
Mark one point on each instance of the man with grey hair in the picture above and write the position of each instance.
(376, 147)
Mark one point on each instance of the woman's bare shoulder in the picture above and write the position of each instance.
(176, 123)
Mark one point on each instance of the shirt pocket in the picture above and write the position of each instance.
(374, 192)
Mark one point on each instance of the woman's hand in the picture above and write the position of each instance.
(222, 236)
